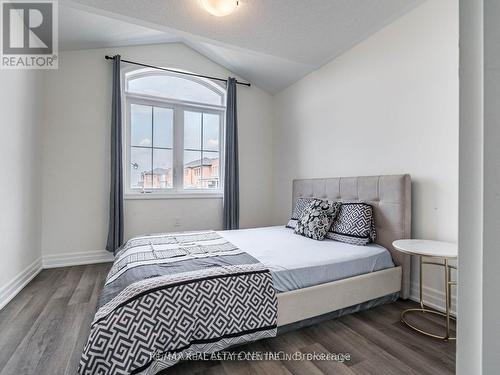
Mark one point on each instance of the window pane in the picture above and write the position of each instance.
(140, 168)
(192, 130)
(211, 170)
(174, 87)
(163, 127)
(162, 169)
(211, 126)
(192, 169)
(140, 125)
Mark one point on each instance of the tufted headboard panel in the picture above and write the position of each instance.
(390, 197)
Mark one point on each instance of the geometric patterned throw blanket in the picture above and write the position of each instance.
(170, 296)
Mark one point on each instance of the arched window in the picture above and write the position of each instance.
(173, 132)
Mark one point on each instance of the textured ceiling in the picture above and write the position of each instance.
(272, 43)
(83, 30)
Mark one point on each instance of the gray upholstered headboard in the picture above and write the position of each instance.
(390, 197)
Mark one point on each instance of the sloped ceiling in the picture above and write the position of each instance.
(271, 43)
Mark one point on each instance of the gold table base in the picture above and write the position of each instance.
(425, 310)
(420, 330)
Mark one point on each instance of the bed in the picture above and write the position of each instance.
(390, 196)
(171, 295)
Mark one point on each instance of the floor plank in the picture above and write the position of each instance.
(44, 328)
(16, 327)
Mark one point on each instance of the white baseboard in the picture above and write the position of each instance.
(76, 259)
(9, 291)
(12, 288)
(433, 298)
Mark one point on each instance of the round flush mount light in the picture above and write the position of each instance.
(219, 8)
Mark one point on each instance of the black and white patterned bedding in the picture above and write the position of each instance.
(354, 224)
(300, 206)
(169, 296)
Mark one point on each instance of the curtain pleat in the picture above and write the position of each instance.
(231, 213)
(115, 227)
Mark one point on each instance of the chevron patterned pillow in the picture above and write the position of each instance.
(354, 224)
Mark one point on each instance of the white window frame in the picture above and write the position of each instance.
(178, 107)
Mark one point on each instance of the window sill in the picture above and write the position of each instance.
(183, 195)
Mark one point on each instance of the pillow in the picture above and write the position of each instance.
(317, 219)
(354, 224)
(300, 206)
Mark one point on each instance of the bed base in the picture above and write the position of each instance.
(305, 303)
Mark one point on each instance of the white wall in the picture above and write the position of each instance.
(20, 179)
(469, 340)
(478, 348)
(387, 106)
(76, 154)
(491, 253)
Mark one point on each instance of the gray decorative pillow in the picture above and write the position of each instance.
(300, 206)
(354, 224)
(317, 219)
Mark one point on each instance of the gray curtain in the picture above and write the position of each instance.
(115, 227)
(231, 214)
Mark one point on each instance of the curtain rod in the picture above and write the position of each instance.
(107, 57)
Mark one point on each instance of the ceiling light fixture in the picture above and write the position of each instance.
(219, 8)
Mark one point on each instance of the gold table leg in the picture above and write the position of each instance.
(423, 309)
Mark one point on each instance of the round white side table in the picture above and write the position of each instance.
(443, 251)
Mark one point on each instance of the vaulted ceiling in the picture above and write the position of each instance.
(271, 43)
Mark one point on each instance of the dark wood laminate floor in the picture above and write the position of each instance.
(43, 330)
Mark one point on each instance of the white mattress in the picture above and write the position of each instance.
(298, 262)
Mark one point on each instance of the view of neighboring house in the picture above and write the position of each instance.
(158, 178)
(198, 174)
(204, 175)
